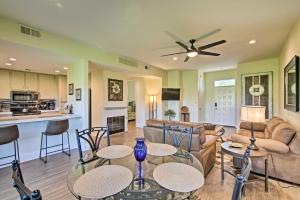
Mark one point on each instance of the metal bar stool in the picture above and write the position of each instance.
(54, 128)
(10, 134)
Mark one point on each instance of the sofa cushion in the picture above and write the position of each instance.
(295, 144)
(284, 132)
(271, 125)
(267, 144)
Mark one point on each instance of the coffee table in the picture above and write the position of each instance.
(239, 153)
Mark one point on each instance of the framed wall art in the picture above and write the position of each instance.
(291, 85)
(78, 94)
(115, 90)
(257, 90)
(71, 88)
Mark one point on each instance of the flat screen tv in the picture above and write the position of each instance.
(170, 94)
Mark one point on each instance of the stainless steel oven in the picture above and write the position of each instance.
(24, 96)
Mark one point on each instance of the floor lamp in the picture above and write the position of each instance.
(152, 107)
(253, 114)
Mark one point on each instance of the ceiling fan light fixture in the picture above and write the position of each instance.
(192, 54)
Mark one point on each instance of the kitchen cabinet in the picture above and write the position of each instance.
(47, 86)
(31, 81)
(4, 82)
(17, 80)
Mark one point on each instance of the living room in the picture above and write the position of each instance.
(132, 93)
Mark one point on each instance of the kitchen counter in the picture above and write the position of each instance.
(11, 120)
(30, 128)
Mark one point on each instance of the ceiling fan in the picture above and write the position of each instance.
(191, 50)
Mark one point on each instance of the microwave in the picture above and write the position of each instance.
(24, 96)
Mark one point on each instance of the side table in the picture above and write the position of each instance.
(239, 153)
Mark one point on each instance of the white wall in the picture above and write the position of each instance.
(140, 102)
(78, 75)
(97, 97)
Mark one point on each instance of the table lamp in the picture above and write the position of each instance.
(253, 114)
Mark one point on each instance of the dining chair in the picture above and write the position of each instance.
(10, 135)
(91, 136)
(18, 182)
(179, 136)
(241, 179)
(55, 128)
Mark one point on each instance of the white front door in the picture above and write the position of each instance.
(224, 105)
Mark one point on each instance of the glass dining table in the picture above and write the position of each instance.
(150, 189)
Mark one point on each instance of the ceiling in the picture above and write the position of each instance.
(136, 28)
(32, 59)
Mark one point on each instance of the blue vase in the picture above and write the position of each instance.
(140, 153)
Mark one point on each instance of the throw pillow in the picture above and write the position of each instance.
(284, 133)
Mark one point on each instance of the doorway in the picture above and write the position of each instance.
(224, 105)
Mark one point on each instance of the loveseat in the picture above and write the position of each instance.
(281, 140)
(203, 145)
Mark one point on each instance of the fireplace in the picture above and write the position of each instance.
(116, 124)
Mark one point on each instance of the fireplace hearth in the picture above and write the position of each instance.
(116, 124)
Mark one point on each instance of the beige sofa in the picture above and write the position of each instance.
(282, 142)
(203, 146)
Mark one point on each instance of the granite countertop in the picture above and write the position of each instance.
(11, 120)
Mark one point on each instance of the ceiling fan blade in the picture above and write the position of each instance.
(208, 53)
(208, 34)
(211, 45)
(173, 54)
(174, 37)
(186, 59)
(183, 45)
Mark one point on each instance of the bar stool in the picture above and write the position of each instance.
(55, 128)
(10, 134)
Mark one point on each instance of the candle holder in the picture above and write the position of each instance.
(140, 153)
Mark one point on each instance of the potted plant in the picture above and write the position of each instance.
(170, 114)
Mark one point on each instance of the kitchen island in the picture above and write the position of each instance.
(30, 128)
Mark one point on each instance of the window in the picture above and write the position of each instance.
(224, 83)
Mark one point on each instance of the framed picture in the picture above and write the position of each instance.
(291, 85)
(78, 94)
(71, 88)
(257, 90)
(115, 90)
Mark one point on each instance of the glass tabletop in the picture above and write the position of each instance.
(150, 189)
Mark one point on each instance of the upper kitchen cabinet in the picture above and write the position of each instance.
(4, 81)
(31, 81)
(17, 81)
(47, 86)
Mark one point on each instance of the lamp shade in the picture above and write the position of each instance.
(253, 113)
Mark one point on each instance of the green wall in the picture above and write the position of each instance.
(289, 50)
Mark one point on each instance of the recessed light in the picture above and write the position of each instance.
(59, 5)
(175, 58)
(12, 59)
(8, 64)
(66, 68)
(252, 41)
(57, 71)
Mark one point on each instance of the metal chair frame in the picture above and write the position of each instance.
(16, 154)
(94, 144)
(241, 179)
(49, 147)
(24, 192)
(177, 134)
